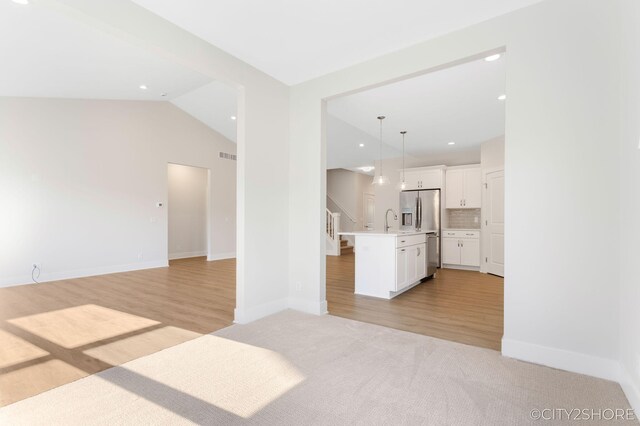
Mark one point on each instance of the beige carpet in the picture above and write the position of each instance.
(298, 369)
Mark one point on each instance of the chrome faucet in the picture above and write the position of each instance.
(386, 219)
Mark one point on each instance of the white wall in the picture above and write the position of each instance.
(187, 211)
(630, 197)
(561, 115)
(346, 189)
(492, 153)
(263, 148)
(83, 178)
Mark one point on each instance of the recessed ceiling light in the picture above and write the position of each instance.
(451, 143)
(233, 117)
(502, 97)
(367, 169)
(492, 57)
(143, 87)
(23, 2)
(361, 145)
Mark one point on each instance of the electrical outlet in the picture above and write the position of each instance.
(140, 256)
(298, 285)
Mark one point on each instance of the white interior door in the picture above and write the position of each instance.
(369, 214)
(494, 223)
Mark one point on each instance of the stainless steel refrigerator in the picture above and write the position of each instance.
(420, 211)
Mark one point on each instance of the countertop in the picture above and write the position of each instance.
(390, 233)
(461, 229)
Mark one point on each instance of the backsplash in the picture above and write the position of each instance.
(463, 218)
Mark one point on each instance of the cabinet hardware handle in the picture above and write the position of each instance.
(471, 234)
(402, 241)
(418, 252)
(402, 250)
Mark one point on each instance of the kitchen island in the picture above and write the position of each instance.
(390, 263)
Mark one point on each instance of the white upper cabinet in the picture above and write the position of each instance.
(463, 188)
(472, 188)
(430, 178)
(412, 179)
(454, 191)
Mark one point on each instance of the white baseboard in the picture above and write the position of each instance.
(79, 273)
(631, 389)
(247, 315)
(562, 359)
(461, 267)
(309, 307)
(187, 254)
(221, 256)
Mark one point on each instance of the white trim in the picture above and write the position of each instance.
(79, 273)
(461, 267)
(221, 256)
(264, 310)
(631, 389)
(562, 359)
(247, 315)
(187, 254)
(314, 308)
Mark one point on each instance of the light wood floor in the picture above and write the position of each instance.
(57, 332)
(462, 306)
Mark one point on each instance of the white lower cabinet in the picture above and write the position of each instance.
(411, 265)
(401, 268)
(451, 251)
(470, 252)
(461, 248)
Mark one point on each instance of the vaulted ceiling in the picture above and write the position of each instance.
(297, 40)
(46, 54)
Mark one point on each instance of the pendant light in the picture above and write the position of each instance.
(380, 178)
(403, 184)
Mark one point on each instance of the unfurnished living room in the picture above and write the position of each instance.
(329, 212)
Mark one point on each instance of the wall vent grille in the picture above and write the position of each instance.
(227, 156)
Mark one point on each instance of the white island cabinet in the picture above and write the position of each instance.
(389, 263)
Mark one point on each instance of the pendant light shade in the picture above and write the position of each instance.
(380, 178)
(403, 184)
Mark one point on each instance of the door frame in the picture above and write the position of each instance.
(209, 208)
(484, 235)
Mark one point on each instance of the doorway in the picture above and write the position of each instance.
(416, 135)
(188, 218)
